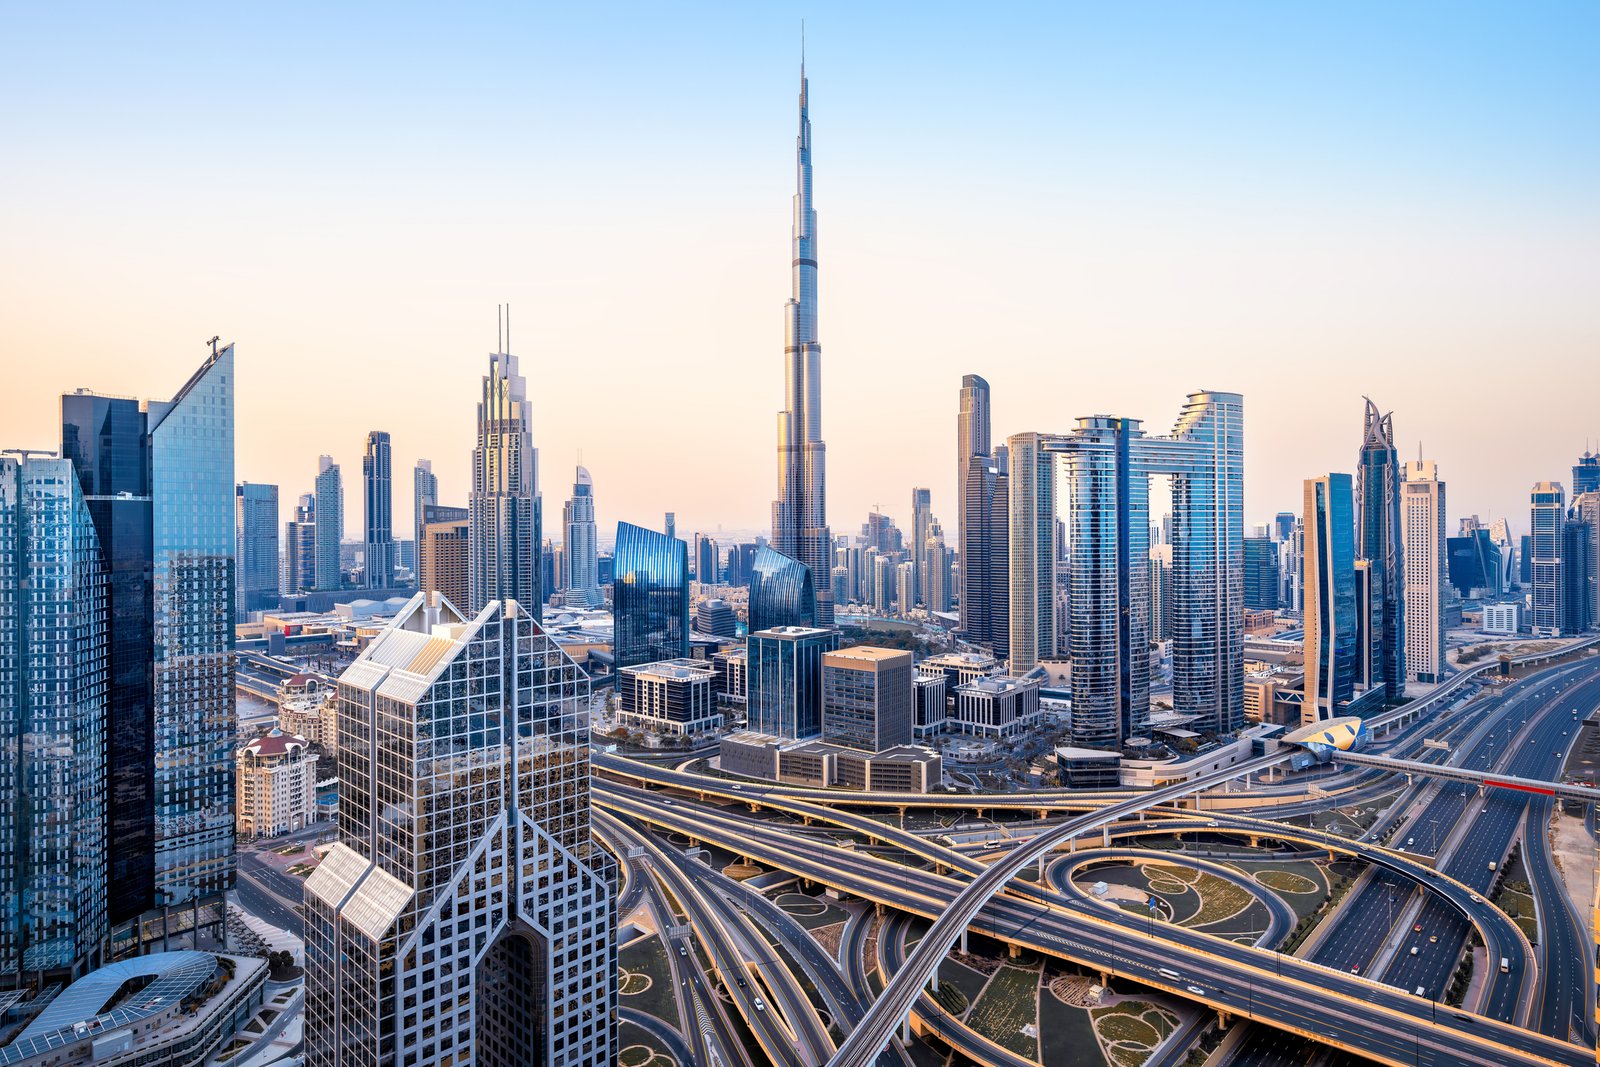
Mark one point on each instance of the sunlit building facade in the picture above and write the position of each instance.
(1422, 516)
(1331, 623)
(781, 592)
(256, 538)
(1378, 540)
(466, 915)
(504, 504)
(1547, 544)
(330, 523)
(1032, 575)
(582, 545)
(377, 493)
(784, 677)
(650, 597)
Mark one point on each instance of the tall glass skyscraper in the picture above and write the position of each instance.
(159, 484)
(921, 520)
(582, 545)
(780, 592)
(799, 515)
(1331, 623)
(784, 679)
(300, 547)
(972, 442)
(650, 597)
(256, 533)
(330, 523)
(1546, 548)
(1378, 541)
(985, 560)
(1422, 532)
(1032, 514)
(466, 914)
(424, 491)
(377, 490)
(506, 538)
(53, 719)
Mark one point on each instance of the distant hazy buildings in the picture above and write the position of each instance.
(715, 617)
(1422, 535)
(1586, 510)
(706, 569)
(466, 913)
(256, 541)
(1586, 474)
(1378, 540)
(1331, 605)
(1261, 581)
(504, 505)
(582, 545)
(54, 649)
(377, 485)
(330, 523)
(424, 491)
(300, 547)
(650, 597)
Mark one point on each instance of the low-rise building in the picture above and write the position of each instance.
(930, 704)
(997, 706)
(904, 768)
(731, 677)
(866, 698)
(276, 785)
(1502, 618)
(674, 696)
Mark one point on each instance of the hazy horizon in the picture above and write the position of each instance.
(1300, 206)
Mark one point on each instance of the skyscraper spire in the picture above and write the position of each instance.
(799, 515)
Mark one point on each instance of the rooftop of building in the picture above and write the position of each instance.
(275, 743)
(865, 654)
(961, 659)
(673, 669)
(791, 633)
(997, 684)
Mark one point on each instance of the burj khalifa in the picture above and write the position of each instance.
(799, 515)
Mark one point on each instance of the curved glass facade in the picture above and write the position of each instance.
(1330, 615)
(1378, 541)
(780, 591)
(650, 599)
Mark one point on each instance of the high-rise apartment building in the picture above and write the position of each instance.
(1577, 598)
(1331, 637)
(921, 520)
(706, 559)
(972, 442)
(159, 483)
(1378, 541)
(330, 523)
(424, 491)
(784, 666)
(985, 560)
(255, 516)
(505, 505)
(582, 545)
(1032, 552)
(466, 914)
(1586, 509)
(1422, 536)
(1586, 474)
(54, 656)
(443, 560)
(1546, 546)
(780, 592)
(936, 569)
(377, 493)
(799, 514)
(300, 547)
(650, 597)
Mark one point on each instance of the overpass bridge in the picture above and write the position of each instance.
(1484, 780)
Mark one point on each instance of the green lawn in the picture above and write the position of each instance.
(1007, 1004)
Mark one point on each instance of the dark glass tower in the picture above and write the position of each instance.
(1331, 622)
(1378, 541)
(650, 599)
(1260, 573)
(377, 484)
(780, 592)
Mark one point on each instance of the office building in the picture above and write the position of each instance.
(1586, 474)
(1283, 525)
(996, 707)
(1331, 605)
(424, 491)
(1422, 536)
(676, 696)
(883, 569)
(867, 698)
(799, 514)
(1032, 552)
(1261, 573)
(929, 703)
(443, 556)
(329, 491)
(255, 517)
(781, 592)
(1502, 618)
(54, 662)
(650, 598)
(921, 523)
(1474, 564)
(582, 546)
(300, 547)
(936, 570)
(731, 685)
(985, 560)
(1378, 541)
(737, 573)
(159, 483)
(1160, 593)
(1586, 509)
(784, 678)
(1577, 554)
(276, 776)
(505, 507)
(377, 492)
(466, 913)
(716, 618)
(1543, 560)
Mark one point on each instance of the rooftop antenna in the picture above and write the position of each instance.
(508, 329)
(213, 343)
(499, 328)
(802, 47)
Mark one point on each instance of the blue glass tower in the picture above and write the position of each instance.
(784, 680)
(1378, 541)
(780, 591)
(1332, 628)
(53, 661)
(650, 598)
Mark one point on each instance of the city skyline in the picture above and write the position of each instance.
(1435, 256)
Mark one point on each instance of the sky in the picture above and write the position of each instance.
(1099, 208)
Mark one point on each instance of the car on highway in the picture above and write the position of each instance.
(1195, 990)
(1434, 940)
(1475, 898)
(758, 1005)
(1355, 968)
(1413, 950)
(1417, 929)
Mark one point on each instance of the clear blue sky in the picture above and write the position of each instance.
(1097, 208)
